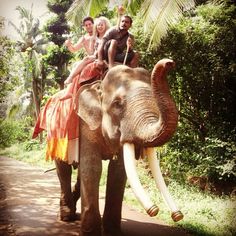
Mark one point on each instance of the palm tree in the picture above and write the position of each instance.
(157, 15)
(31, 45)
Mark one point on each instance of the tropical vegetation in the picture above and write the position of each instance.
(30, 47)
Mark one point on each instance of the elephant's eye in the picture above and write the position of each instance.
(117, 103)
(117, 106)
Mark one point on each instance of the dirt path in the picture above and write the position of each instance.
(29, 203)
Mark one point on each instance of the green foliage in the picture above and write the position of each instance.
(13, 131)
(212, 158)
(81, 8)
(31, 145)
(54, 60)
(56, 27)
(7, 51)
(203, 46)
(10, 72)
(56, 30)
(147, 57)
(50, 92)
(60, 6)
(219, 160)
(56, 55)
(30, 47)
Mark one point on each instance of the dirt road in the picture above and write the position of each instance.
(29, 201)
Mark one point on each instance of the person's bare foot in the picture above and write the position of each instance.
(99, 64)
(68, 80)
(110, 66)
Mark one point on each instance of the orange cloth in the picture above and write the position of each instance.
(59, 119)
(61, 122)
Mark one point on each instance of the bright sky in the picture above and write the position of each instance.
(7, 10)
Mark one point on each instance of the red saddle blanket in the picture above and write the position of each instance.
(59, 119)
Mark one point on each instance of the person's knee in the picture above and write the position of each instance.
(135, 60)
(113, 44)
(136, 56)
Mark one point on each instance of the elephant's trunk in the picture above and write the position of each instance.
(160, 132)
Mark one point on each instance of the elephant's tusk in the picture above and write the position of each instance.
(156, 172)
(131, 172)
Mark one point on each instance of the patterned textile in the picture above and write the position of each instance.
(59, 119)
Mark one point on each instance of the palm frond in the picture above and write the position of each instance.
(24, 13)
(18, 30)
(132, 6)
(82, 8)
(34, 29)
(159, 15)
(27, 20)
(77, 11)
(97, 6)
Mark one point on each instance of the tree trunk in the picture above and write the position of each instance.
(37, 102)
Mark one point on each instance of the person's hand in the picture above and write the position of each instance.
(129, 43)
(89, 59)
(121, 10)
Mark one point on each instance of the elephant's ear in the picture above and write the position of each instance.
(89, 104)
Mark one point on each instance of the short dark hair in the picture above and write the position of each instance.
(130, 19)
(87, 18)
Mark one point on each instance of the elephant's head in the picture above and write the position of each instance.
(131, 107)
(137, 108)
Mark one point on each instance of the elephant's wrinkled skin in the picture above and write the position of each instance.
(128, 106)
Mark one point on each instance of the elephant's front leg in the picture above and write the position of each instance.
(67, 203)
(76, 188)
(90, 173)
(116, 181)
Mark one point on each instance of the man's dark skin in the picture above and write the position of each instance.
(124, 26)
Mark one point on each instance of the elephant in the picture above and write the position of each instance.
(122, 117)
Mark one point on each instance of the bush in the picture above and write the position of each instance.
(213, 158)
(203, 86)
(13, 131)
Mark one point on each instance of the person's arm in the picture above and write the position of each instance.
(108, 35)
(100, 51)
(130, 42)
(77, 46)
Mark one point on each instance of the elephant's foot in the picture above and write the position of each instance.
(67, 210)
(66, 214)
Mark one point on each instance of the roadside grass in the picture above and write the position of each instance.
(204, 213)
(31, 152)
